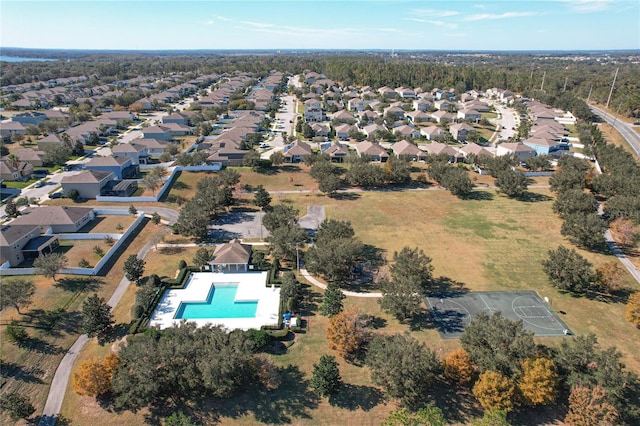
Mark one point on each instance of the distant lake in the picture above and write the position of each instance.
(23, 59)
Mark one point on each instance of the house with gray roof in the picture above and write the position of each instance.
(405, 149)
(122, 167)
(88, 183)
(372, 150)
(232, 257)
(61, 219)
(21, 242)
(296, 151)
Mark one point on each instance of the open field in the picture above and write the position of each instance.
(615, 138)
(53, 321)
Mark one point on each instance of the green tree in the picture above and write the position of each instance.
(97, 319)
(512, 183)
(252, 159)
(411, 274)
(291, 292)
(17, 292)
(279, 216)
(571, 175)
(50, 264)
(404, 367)
(133, 210)
(134, 268)
(16, 333)
(498, 344)
(286, 241)
(277, 158)
(335, 252)
(365, 174)
(492, 418)
(567, 270)
(11, 209)
(17, 406)
(192, 220)
(261, 198)
(332, 300)
(585, 230)
(572, 201)
(179, 419)
(325, 378)
(398, 170)
(425, 416)
(57, 154)
(329, 184)
(155, 218)
(202, 257)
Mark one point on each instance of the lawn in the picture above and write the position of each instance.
(75, 250)
(615, 138)
(109, 224)
(52, 321)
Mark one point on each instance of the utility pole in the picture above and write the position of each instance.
(565, 84)
(542, 85)
(611, 91)
(589, 96)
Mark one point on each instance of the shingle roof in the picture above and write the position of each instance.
(87, 176)
(52, 215)
(232, 252)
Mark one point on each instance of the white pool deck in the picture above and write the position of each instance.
(251, 287)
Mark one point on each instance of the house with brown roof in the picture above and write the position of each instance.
(372, 150)
(406, 131)
(176, 118)
(231, 257)
(178, 129)
(336, 151)
(155, 148)
(521, 151)
(52, 138)
(437, 148)
(61, 219)
(20, 242)
(296, 151)
(469, 114)
(342, 131)
(442, 117)
(432, 132)
(461, 131)
(31, 156)
(15, 171)
(475, 149)
(88, 183)
(405, 149)
(9, 128)
(227, 156)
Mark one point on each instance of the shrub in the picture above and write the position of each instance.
(138, 312)
(83, 263)
(98, 250)
(182, 264)
(16, 333)
(109, 241)
(73, 194)
(261, 338)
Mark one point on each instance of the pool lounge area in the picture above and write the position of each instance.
(232, 300)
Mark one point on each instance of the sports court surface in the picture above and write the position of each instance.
(452, 313)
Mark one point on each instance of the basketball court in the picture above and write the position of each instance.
(452, 313)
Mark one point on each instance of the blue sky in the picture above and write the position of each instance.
(327, 24)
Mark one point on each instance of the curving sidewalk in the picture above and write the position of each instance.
(317, 283)
(60, 380)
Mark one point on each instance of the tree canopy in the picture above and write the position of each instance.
(568, 270)
(17, 292)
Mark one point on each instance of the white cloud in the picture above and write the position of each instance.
(506, 15)
(434, 13)
(587, 6)
(433, 22)
(257, 24)
(209, 22)
(222, 18)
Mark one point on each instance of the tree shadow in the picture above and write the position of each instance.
(346, 196)
(40, 346)
(55, 321)
(479, 195)
(457, 403)
(180, 185)
(171, 250)
(445, 285)
(118, 331)
(356, 397)
(79, 284)
(311, 300)
(18, 372)
(267, 171)
(421, 321)
(281, 406)
(533, 197)
(376, 322)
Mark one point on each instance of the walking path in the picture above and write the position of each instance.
(317, 283)
(61, 378)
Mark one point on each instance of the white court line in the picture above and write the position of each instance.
(486, 304)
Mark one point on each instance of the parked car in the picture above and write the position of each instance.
(39, 184)
(41, 172)
(56, 195)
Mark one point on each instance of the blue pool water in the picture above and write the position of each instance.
(219, 304)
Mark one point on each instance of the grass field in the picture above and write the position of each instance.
(52, 321)
(109, 224)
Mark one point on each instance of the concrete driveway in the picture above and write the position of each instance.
(312, 220)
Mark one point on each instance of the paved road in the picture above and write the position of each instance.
(170, 215)
(61, 378)
(318, 284)
(626, 130)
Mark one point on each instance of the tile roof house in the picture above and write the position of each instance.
(296, 151)
(406, 131)
(469, 114)
(8, 128)
(231, 257)
(544, 146)
(336, 151)
(523, 152)
(155, 148)
(176, 118)
(460, 131)
(61, 219)
(405, 149)
(20, 242)
(88, 183)
(122, 167)
(227, 156)
(372, 150)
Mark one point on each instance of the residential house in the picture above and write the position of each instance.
(31, 156)
(155, 148)
(61, 219)
(296, 151)
(178, 129)
(342, 131)
(368, 117)
(176, 118)
(313, 111)
(120, 188)
(162, 133)
(442, 117)
(9, 128)
(343, 116)
(88, 183)
(461, 131)
(20, 242)
(335, 150)
(475, 149)
(49, 140)
(320, 130)
(406, 131)
(395, 111)
(373, 128)
(418, 116)
(15, 171)
(544, 146)
(372, 150)
(405, 149)
(138, 153)
(469, 114)
(387, 92)
(521, 151)
(421, 105)
(122, 167)
(437, 148)
(432, 132)
(356, 104)
(406, 93)
(227, 156)
(442, 105)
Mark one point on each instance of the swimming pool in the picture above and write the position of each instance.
(220, 303)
